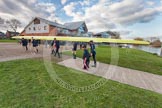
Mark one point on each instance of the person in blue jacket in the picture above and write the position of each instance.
(86, 58)
(24, 43)
(35, 45)
(57, 45)
(53, 46)
(93, 52)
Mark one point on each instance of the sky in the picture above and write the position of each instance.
(132, 18)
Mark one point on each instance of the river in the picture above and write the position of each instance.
(149, 49)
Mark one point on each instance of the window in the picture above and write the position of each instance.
(29, 28)
(45, 27)
(36, 21)
(34, 28)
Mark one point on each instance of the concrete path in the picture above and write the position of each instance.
(14, 51)
(123, 75)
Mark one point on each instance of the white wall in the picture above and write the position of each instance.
(39, 28)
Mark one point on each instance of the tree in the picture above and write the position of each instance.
(139, 39)
(13, 24)
(156, 43)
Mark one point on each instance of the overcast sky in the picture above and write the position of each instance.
(133, 18)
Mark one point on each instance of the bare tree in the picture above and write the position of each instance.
(13, 24)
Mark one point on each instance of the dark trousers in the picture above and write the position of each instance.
(94, 58)
(53, 51)
(26, 47)
(57, 52)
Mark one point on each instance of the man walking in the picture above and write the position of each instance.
(35, 45)
(53, 46)
(24, 43)
(74, 49)
(93, 52)
(57, 45)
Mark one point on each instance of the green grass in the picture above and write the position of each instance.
(27, 84)
(8, 40)
(129, 58)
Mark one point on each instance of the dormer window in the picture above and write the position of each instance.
(36, 21)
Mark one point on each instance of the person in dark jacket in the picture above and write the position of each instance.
(35, 45)
(57, 45)
(53, 47)
(86, 58)
(93, 52)
(74, 49)
(24, 43)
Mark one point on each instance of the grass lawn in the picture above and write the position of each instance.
(129, 58)
(8, 40)
(27, 84)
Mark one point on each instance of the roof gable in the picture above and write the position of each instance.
(74, 25)
(48, 22)
(52, 23)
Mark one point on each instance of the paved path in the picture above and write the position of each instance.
(123, 75)
(14, 51)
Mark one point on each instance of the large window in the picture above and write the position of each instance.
(81, 29)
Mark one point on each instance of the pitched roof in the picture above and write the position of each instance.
(70, 26)
(52, 23)
(74, 25)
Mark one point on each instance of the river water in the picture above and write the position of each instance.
(149, 49)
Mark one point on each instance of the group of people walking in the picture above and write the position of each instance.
(32, 43)
(86, 53)
(55, 46)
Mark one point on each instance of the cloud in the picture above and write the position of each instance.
(69, 9)
(1, 21)
(106, 15)
(99, 15)
(46, 7)
(150, 3)
(25, 10)
(124, 32)
(84, 3)
(63, 1)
